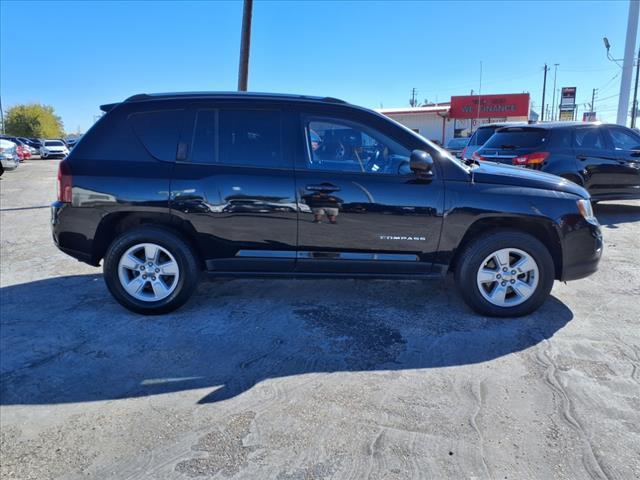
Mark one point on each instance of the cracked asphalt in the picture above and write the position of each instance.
(310, 379)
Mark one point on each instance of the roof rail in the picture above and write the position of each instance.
(333, 100)
(139, 96)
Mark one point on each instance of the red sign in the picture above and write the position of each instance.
(491, 106)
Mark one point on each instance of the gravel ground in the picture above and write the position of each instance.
(310, 379)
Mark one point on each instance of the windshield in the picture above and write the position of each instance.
(520, 138)
(457, 143)
(53, 144)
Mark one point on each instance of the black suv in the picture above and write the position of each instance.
(237, 184)
(605, 159)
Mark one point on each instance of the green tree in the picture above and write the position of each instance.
(33, 120)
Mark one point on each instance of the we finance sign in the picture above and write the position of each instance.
(490, 106)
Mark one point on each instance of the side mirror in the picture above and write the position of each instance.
(421, 162)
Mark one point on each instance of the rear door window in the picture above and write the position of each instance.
(251, 138)
(589, 138)
(520, 138)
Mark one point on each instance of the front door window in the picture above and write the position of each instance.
(348, 147)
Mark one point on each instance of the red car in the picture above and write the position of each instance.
(23, 152)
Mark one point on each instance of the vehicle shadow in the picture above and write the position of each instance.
(76, 344)
(611, 214)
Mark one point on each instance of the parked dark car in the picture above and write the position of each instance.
(480, 136)
(236, 184)
(605, 159)
(455, 146)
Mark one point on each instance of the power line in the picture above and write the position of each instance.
(609, 97)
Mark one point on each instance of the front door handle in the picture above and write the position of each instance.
(323, 187)
(581, 157)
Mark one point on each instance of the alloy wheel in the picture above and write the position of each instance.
(508, 277)
(148, 272)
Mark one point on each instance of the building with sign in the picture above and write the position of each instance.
(461, 116)
(567, 104)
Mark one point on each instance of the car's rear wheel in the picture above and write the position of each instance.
(150, 270)
(505, 273)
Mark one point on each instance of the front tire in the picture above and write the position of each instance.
(505, 273)
(150, 270)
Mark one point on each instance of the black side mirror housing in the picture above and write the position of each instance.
(421, 163)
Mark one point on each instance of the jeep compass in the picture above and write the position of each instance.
(166, 186)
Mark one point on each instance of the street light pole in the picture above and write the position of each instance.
(245, 45)
(635, 94)
(2, 116)
(627, 65)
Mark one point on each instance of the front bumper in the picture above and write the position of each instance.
(582, 250)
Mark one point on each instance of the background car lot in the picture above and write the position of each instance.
(310, 379)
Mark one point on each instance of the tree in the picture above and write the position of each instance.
(33, 121)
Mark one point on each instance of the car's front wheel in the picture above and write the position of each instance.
(150, 270)
(505, 273)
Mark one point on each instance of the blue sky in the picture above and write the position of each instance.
(77, 55)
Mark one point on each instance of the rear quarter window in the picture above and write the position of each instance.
(128, 134)
(483, 134)
(561, 138)
(158, 131)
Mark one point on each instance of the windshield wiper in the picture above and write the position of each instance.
(508, 147)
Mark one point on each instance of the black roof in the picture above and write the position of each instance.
(141, 97)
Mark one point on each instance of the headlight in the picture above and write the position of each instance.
(585, 209)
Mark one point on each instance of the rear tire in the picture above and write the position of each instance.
(505, 273)
(150, 270)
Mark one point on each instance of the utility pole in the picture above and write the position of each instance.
(2, 116)
(627, 65)
(593, 100)
(544, 90)
(413, 100)
(634, 113)
(245, 46)
(553, 101)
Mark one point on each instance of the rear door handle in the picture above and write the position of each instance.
(581, 157)
(323, 187)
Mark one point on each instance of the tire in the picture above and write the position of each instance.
(525, 291)
(129, 259)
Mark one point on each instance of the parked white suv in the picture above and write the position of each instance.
(53, 148)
